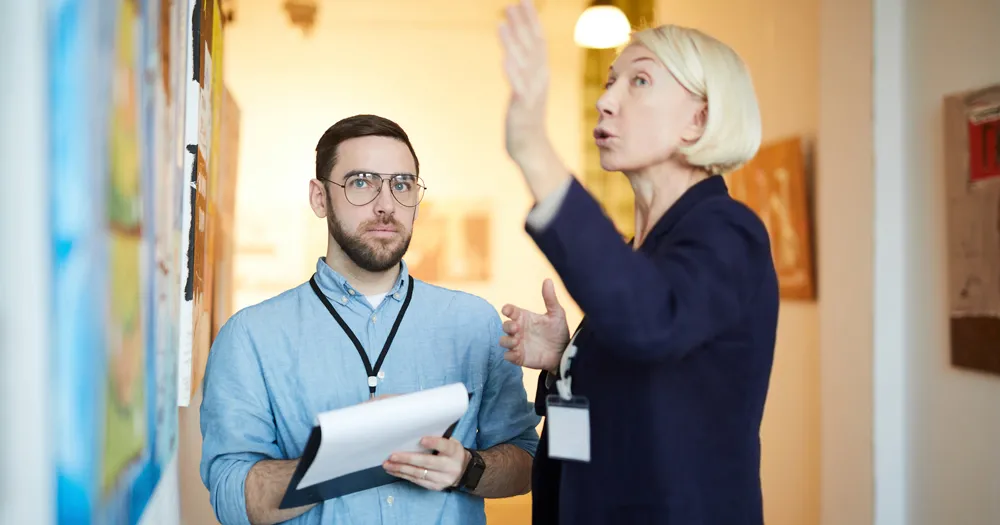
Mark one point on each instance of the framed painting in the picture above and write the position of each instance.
(972, 187)
(773, 184)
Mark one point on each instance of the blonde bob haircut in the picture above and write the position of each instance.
(713, 72)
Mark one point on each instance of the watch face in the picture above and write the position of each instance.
(474, 472)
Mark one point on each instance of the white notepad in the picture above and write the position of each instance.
(363, 436)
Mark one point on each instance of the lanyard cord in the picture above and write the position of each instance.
(564, 385)
(371, 371)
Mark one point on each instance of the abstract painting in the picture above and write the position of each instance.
(972, 186)
(112, 386)
(773, 184)
(79, 67)
(125, 413)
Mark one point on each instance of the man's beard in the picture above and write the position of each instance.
(375, 259)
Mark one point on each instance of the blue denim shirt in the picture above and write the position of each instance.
(276, 365)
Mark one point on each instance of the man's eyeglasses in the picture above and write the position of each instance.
(363, 187)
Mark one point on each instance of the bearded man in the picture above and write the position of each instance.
(276, 365)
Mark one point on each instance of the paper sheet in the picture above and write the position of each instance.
(364, 436)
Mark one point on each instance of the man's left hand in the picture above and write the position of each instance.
(433, 472)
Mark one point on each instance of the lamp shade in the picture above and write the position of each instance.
(602, 26)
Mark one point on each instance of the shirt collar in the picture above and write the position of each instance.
(335, 286)
(713, 186)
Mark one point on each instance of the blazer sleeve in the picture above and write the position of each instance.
(650, 307)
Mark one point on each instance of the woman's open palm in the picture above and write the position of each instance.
(527, 70)
(536, 340)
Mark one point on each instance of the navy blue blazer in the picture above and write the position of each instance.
(674, 355)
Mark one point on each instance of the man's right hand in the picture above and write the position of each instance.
(536, 340)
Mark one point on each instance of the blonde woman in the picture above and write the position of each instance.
(654, 405)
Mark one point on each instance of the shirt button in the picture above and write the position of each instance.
(343, 299)
(395, 295)
(389, 500)
(374, 318)
(350, 292)
(381, 374)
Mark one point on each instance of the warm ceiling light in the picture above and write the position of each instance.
(602, 26)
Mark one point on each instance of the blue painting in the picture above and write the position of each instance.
(111, 142)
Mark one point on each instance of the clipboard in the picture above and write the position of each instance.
(340, 486)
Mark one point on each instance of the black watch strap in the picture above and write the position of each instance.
(473, 473)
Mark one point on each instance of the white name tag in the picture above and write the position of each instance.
(568, 428)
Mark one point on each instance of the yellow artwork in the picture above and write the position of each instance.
(773, 185)
(125, 411)
(205, 209)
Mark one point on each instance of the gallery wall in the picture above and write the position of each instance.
(25, 464)
(937, 425)
(97, 100)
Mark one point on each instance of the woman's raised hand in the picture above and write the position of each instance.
(526, 66)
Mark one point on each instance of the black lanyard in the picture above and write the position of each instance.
(372, 372)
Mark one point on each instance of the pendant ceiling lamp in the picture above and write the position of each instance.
(602, 26)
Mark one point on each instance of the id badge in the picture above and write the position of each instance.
(568, 429)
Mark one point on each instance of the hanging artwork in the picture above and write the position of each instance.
(201, 136)
(773, 184)
(79, 69)
(126, 434)
(451, 243)
(113, 391)
(972, 186)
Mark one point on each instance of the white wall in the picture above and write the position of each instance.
(949, 425)
(844, 195)
(906, 437)
(779, 41)
(26, 467)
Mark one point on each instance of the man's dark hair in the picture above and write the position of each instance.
(354, 127)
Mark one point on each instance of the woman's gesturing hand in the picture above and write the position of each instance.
(527, 69)
(536, 340)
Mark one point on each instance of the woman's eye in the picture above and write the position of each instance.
(639, 82)
(609, 83)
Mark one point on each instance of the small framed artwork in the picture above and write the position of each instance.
(773, 184)
(972, 181)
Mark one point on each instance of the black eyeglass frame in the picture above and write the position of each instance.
(383, 177)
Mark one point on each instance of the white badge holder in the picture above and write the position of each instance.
(568, 416)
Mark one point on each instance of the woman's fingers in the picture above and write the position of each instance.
(512, 49)
(511, 311)
(524, 48)
(525, 30)
(514, 356)
(511, 327)
(520, 25)
(534, 22)
(509, 342)
(514, 76)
